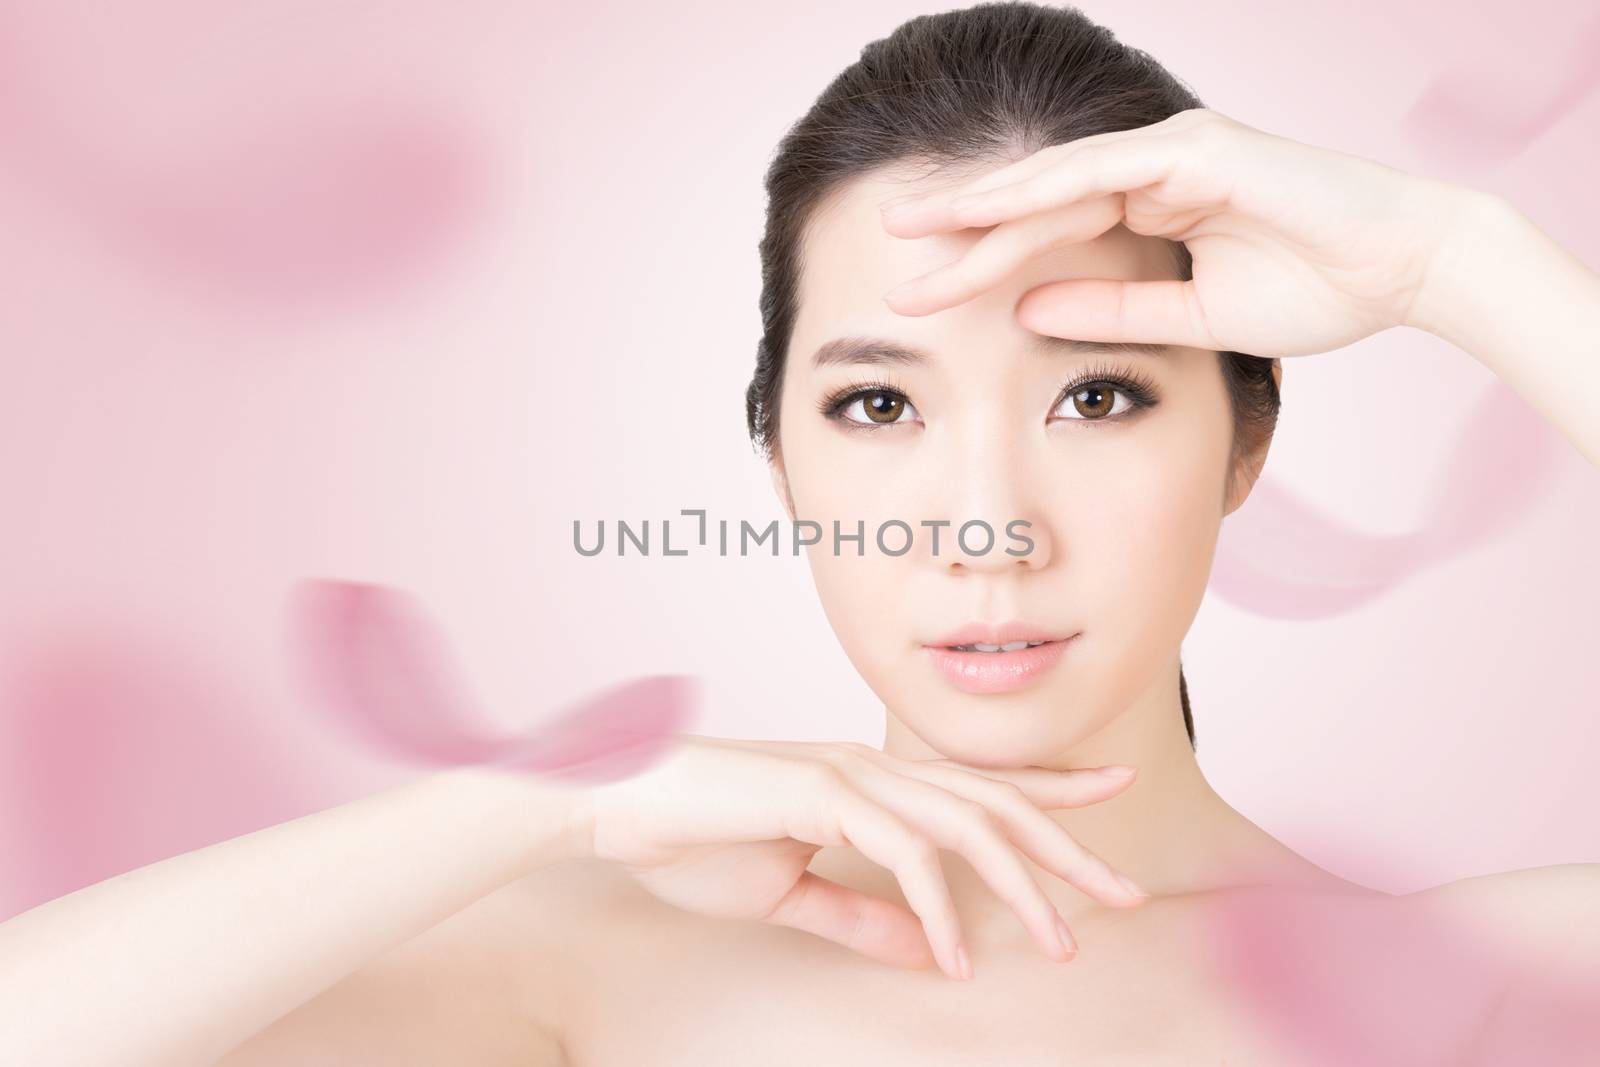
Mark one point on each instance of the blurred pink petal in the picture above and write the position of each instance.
(324, 208)
(377, 664)
(1488, 114)
(114, 755)
(1278, 557)
(336, 202)
(1392, 982)
(1499, 470)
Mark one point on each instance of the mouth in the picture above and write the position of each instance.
(1014, 646)
(984, 667)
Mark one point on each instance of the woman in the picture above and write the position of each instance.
(764, 902)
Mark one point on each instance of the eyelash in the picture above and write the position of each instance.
(1134, 385)
(833, 405)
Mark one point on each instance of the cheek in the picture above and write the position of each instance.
(864, 601)
(1142, 541)
(859, 594)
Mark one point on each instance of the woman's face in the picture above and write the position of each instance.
(1124, 501)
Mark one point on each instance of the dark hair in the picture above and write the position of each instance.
(991, 82)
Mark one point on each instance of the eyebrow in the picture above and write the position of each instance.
(879, 351)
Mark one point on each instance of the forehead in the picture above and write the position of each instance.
(848, 261)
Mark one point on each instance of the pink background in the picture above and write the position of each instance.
(395, 293)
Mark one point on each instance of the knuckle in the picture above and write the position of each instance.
(1215, 130)
(977, 818)
(846, 762)
(818, 775)
(1008, 795)
(1215, 138)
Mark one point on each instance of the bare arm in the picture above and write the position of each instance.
(180, 961)
(1507, 294)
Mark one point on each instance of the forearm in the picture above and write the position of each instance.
(1507, 294)
(182, 960)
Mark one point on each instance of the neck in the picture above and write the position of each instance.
(1169, 831)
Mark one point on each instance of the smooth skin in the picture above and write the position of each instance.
(433, 923)
(232, 936)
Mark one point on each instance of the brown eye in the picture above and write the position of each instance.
(881, 407)
(1096, 401)
(878, 408)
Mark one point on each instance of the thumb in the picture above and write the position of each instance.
(859, 921)
(1104, 309)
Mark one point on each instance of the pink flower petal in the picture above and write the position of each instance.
(380, 668)
(1278, 557)
(1470, 118)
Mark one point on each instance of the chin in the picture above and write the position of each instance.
(998, 733)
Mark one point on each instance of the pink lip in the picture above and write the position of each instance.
(996, 672)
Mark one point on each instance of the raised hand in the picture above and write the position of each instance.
(1296, 249)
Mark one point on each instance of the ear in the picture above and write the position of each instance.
(780, 483)
(1248, 467)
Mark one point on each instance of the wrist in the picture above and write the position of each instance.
(1478, 241)
(539, 820)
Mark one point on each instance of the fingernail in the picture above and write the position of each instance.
(1131, 886)
(1067, 943)
(963, 962)
(1116, 770)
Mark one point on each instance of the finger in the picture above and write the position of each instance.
(861, 922)
(913, 215)
(846, 815)
(1044, 787)
(966, 826)
(1001, 252)
(1091, 171)
(1011, 796)
(896, 207)
(1106, 309)
(1038, 835)
(1087, 169)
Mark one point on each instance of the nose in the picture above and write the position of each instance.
(994, 491)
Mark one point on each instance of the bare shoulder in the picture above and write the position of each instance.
(1551, 913)
(1545, 925)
